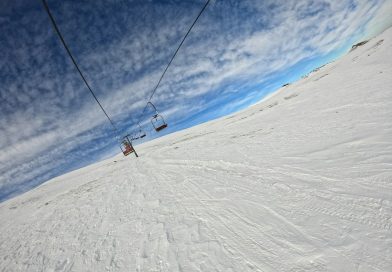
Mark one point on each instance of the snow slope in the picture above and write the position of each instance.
(299, 182)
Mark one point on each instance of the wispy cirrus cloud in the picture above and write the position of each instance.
(49, 122)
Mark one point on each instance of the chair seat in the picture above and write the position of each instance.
(126, 153)
(161, 127)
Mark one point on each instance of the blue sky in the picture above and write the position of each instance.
(238, 52)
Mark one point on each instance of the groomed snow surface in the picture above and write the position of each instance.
(299, 182)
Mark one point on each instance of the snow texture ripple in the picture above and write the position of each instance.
(299, 182)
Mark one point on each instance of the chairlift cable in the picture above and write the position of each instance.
(174, 55)
(75, 63)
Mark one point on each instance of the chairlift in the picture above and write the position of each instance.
(134, 137)
(126, 146)
(141, 133)
(157, 120)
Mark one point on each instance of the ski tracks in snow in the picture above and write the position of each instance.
(300, 182)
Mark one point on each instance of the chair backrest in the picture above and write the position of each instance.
(126, 147)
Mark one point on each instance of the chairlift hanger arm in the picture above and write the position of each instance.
(172, 58)
(152, 105)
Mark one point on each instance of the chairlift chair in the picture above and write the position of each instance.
(134, 137)
(142, 133)
(139, 134)
(126, 147)
(157, 120)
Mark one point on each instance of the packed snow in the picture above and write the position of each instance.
(299, 182)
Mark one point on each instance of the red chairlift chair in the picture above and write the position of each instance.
(126, 146)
